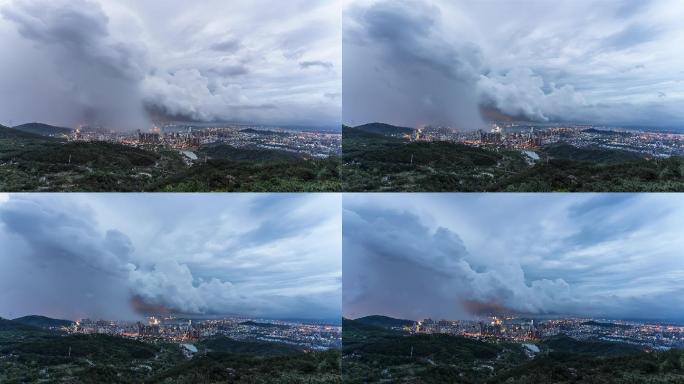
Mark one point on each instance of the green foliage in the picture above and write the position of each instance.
(657, 175)
(216, 367)
(654, 367)
(31, 354)
(35, 163)
(99, 347)
(220, 175)
(224, 344)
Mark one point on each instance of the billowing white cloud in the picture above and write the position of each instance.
(520, 92)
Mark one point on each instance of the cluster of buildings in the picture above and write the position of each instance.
(186, 137)
(528, 136)
(514, 329)
(308, 336)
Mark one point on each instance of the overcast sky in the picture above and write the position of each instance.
(108, 62)
(121, 256)
(464, 255)
(416, 62)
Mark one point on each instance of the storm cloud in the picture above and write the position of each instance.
(458, 256)
(76, 256)
(416, 62)
(111, 63)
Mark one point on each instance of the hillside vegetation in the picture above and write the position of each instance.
(374, 162)
(374, 355)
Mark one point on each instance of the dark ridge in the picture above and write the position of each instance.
(264, 325)
(565, 344)
(606, 132)
(263, 132)
(43, 321)
(43, 129)
(12, 133)
(11, 325)
(384, 129)
(384, 321)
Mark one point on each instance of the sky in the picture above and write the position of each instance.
(116, 63)
(464, 256)
(124, 256)
(435, 62)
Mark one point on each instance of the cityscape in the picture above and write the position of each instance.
(186, 137)
(308, 336)
(529, 136)
(650, 336)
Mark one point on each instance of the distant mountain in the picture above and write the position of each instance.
(43, 129)
(264, 325)
(263, 132)
(11, 325)
(43, 321)
(13, 134)
(606, 132)
(384, 129)
(384, 321)
(605, 325)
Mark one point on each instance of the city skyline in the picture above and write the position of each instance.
(127, 256)
(415, 63)
(460, 256)
(122, 64)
